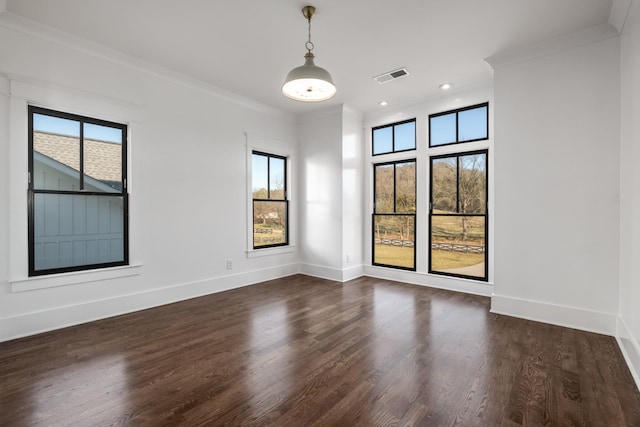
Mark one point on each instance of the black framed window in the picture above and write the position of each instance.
(462, 125)
(394, 137)
(458, 219)
(394, 217)
(77, 193)
(270, 204)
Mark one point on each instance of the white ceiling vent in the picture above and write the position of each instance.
(391, 75)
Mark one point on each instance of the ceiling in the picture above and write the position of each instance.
(248, 46)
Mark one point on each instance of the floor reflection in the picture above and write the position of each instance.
(269, 366)
(96, 386)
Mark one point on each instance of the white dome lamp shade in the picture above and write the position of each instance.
(308, 82)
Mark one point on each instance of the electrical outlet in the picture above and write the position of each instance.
(229, 264)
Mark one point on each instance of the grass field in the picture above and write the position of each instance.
(445, 260)
(442, 260)
(394, 255)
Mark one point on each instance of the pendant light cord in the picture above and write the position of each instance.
(309, 44)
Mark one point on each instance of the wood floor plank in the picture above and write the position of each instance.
(302, 351)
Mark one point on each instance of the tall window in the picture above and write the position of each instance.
(394, 138)
(270, 204)
(394, 217)
(462, 125)
(77, 193)
(458, 215)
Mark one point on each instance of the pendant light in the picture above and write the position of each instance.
(308, 82)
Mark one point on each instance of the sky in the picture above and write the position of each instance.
(260, 171)
(44, 123)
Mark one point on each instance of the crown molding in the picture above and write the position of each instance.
(334, 110)
(619, 12)
(552, 46)
(416, 106)
(22, 25)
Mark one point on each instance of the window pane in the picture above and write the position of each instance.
(56, 153)
(74, 230)
(394, 240)
(443, 181)
(103, 133)
(442, 129)
(276, 178)
(405, 136)
(384, 197)
(406, 187)
(102, 159)
(472, 180)
(259, 176)
(458, 245)
(269, 223)
(56, 125)
(383, 140)
(472, 124)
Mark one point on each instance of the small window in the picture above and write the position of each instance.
(394, 138)
(77, 193)
(462, 125)
(270, 204)
(394, 216)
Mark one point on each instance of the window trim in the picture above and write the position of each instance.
(257, 142)
(393, 137)
(32, 191)
(457, 111)
(430, 214)
(414, 215)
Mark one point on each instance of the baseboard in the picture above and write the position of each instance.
(330, 273)
(351, 273)
(61, 317)
(560, 315)
(433, 281)
(630, 348)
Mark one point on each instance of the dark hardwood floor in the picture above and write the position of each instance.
(302, 351)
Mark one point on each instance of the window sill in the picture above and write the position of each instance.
(74, 278)
(255, 253)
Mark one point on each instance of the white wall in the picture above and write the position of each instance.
(331, 193)
(557, 180)
(321, 209)
(4, 184)
(187, 181)
(629, 320)
(352, 194)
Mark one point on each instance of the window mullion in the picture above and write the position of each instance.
(457, 184)
(81, 156)
(395, 196)
(268, 177)
(393, 139)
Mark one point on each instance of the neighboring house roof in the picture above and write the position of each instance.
(102, 160)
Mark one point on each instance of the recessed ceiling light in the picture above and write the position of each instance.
(445, 86)
(383, 103)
